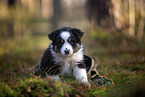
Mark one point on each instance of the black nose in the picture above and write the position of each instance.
(66, 51)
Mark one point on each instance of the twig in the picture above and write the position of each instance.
(44, 71)
(25, 69)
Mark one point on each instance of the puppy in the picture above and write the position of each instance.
(65, 55)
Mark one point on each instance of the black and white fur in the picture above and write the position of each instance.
(65, 55)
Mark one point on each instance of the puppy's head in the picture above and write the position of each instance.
(66, 40)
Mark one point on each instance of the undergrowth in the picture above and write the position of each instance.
(121, 59)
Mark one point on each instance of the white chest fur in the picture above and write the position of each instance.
(67, 63)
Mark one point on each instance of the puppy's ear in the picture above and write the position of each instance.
(52, 35)
(77, 32)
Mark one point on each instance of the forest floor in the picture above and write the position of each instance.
(119, 57)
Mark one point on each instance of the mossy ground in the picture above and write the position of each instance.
(119, 57)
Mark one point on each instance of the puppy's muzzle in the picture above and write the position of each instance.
(67, 51)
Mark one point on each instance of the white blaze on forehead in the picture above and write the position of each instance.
(65, 35)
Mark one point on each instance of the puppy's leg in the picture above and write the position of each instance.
(80, 74)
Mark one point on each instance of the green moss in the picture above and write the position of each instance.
(97, 92)
(33, 87)
(60, 89)
(125, 79)
(6, 91)
(69, 89)
(42, 87)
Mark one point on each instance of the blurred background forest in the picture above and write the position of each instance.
(43, 16)
(114, 33)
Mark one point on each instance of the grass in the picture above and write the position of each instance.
(119, 57)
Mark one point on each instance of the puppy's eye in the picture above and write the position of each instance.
(70, 39)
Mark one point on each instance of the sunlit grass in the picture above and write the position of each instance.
(26, 44)
(28, 51)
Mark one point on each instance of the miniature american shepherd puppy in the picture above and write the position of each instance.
(64, 55)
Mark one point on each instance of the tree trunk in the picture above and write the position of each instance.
(131, 18)
(98, 12)
(142, 20)
(57, 11)
(117, 13)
